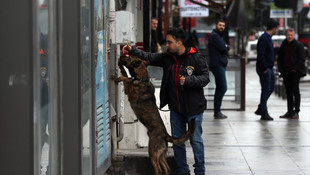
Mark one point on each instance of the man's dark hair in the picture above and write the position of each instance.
(178, 34)
(272, 24)
(220, 20)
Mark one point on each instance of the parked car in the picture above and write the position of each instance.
(251, 52)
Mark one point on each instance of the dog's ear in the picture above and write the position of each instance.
(135, 63)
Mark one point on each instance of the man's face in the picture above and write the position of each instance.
(220, 26)
(290, 36)
(154, 24)
(172, 44)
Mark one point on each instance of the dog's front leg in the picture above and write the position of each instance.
(121, 67)
(119, 79)
(127, 82)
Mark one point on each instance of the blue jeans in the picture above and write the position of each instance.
(221, 87)
(267, 81)
(178, 128)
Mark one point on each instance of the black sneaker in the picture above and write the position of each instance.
(219, 115)
(295, 116)
(286, 115)
(258, 112)
(266, 117)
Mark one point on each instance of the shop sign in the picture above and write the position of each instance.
(190, 9)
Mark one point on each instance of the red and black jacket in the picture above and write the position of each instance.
(189, 99)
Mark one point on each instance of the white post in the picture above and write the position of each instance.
(285, 19)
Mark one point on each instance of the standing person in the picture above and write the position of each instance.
(291, 65)
(185, 73)
(264, 68)
(218, 51)
(193, 39)
(155, 46)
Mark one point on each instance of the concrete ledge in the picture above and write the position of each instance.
(137, 162)
(138, 165)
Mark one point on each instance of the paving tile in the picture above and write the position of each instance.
(271, 172)
(268, 158)
(300, 155)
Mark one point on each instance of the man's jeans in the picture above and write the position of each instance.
(221, 87)
(267, 81)
(178, 128)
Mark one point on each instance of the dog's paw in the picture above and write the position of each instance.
(114, 78)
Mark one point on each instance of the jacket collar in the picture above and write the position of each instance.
(287, 43)
(218, 32)
(191, 50)
(267, 35)
(188, 51)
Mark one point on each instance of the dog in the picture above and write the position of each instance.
(140, 92)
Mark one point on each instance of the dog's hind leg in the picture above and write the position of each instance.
(155, 162)
(164, 164)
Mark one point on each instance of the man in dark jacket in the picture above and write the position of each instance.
(218, 51)
(291, 64)
(264, 68)
(155, 47)
(185, 73)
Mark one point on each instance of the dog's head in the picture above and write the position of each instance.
(136, 66)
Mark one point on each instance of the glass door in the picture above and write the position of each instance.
(48, 130)
(86, 87)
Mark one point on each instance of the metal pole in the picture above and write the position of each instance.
(146, 25)
(285, 19)
(166, 17)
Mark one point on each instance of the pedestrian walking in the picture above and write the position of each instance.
(185, 73)
(291, 65)
(218, 51)
(264, 68)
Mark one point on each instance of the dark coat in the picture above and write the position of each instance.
(265, 52)
(297, 58)
(154, 41)
(189, 99)
(218, 50)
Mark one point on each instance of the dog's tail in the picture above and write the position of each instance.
(188, 134)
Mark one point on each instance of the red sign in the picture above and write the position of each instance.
(193, 22)
(281, 23)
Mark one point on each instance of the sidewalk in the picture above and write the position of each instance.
(244, 145)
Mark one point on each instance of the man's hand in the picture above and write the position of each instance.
(126, 49)
(265, 71)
